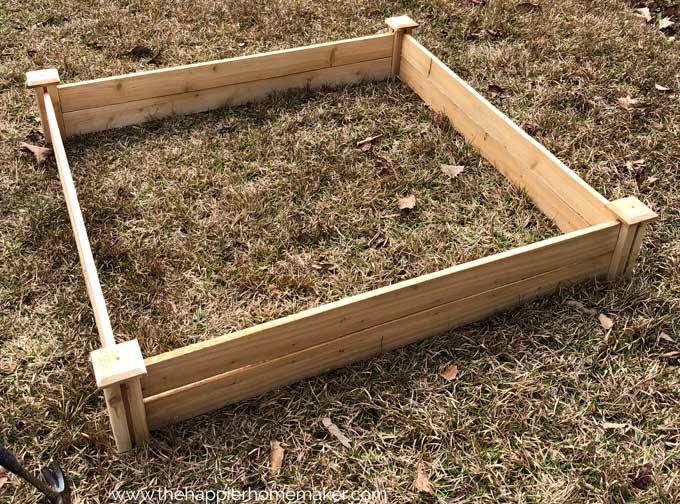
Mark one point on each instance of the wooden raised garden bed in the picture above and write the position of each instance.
(601, 238)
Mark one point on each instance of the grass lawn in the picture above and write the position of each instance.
(204, 224)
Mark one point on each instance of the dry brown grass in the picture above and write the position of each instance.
(167, 206)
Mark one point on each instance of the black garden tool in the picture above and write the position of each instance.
(54, 487)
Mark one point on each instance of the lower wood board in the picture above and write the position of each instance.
(311, 327)
(251, 381)
(134, 112)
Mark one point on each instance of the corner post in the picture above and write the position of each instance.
(118, 370)
(46, 81)
(634, 216)
(399, 25)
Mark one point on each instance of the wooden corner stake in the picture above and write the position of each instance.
(117, 369)
(634, 216)
(399, 25)
(46, 81)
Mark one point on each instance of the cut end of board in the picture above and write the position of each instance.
(631, 210)
(45, 77)
(117, 364)
(398, 23)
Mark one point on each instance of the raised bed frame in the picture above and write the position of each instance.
(601, 238)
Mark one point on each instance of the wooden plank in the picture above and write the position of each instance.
(190, 78)
(118, 418)
(94, 290)
(555, 189)
(117, 364)
(137, 412)
(318, 325)
(124, 114)
(251, 381)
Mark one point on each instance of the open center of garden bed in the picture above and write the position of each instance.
(206, 224)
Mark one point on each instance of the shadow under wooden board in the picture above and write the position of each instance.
(600, 238)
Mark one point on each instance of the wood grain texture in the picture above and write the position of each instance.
(94, 290)
(325, 323)
(118, 418)
(124, 114)
(250, 381)
(561, 194)
(200, 76)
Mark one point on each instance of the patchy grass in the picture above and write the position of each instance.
(170, 209)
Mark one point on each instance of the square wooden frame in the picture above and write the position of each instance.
(601, 238)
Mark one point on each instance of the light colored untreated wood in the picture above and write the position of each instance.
(118, 363)
(253, 380)
(115, 116)
(200, 76)
(557, 191)
(634, 216)
(94, 290)
(118, 417)
(41, 80)
(312, 327)
(399, 25)
(136, 412)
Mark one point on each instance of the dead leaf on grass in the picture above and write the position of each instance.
(665, 23)
(605, 322)
(495, 90)
(662, 89)
(407, 203)
(366, 144)
(335, 431)
(276, 458)
(629, 103)
(614, 425)
(42, 154)
(324, 266)
(422, 482)
(452, 170)
(388, 165)
(670, 355)
(580, 306)
(3, 476)
(450, 373)
(644, 476)
(665, 338)
(644, 13)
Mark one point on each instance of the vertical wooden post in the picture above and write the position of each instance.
(117, 370)
(43, 81)
(634, 216)
(399, 25)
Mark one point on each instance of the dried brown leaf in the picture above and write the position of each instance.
(629, 103)
(580, 307)
(276, 458)
(662, 89)
(336, 432)
(644, 13)
(670, 355)
(495, 90)
(452, 170)
(450, 373)
(605, 321)
(614, 425)
(643, 478)
(324, 266)
(368, 140)
(42, 154)
(422, 482)
(665, 23)
(407, 203)
(3, 476)
(665, 338)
